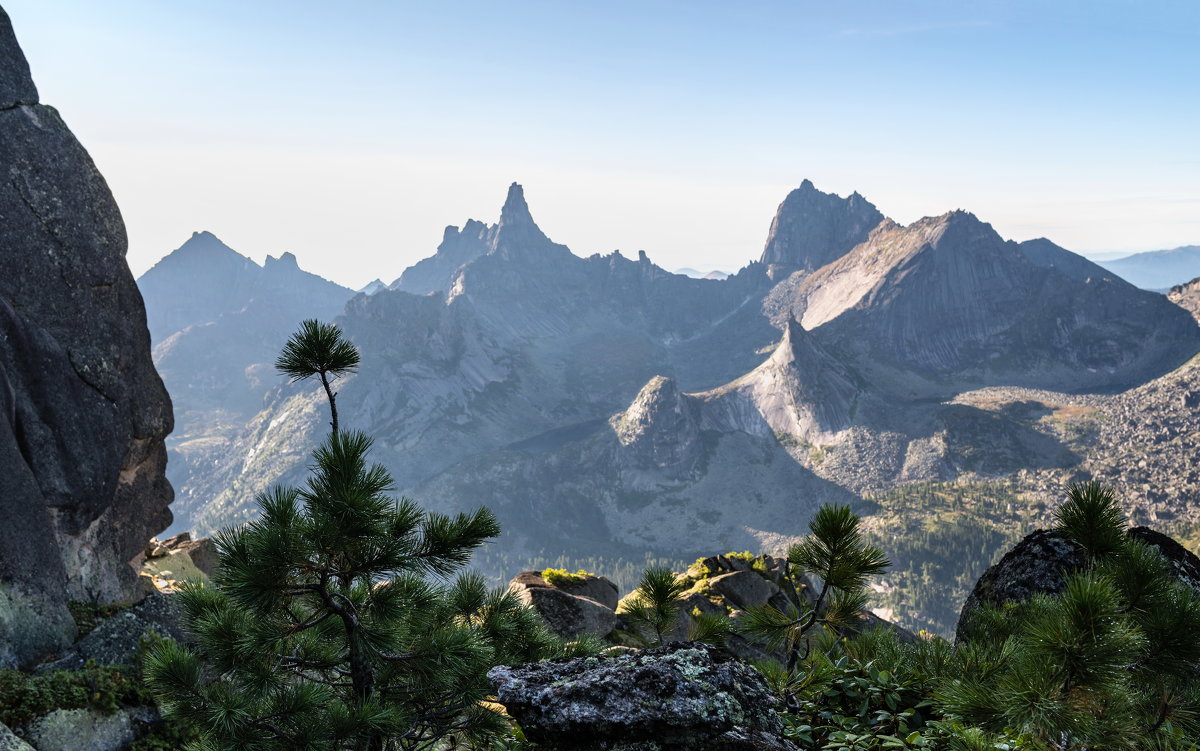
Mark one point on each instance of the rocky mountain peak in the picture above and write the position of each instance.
(515, 210)
(812, 228)
(517, 235)
(795, 348)
(285, 263)
(660, 430)
(203, 250)
(800, 391)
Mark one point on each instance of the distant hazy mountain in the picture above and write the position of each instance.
(1158, 269)
(373, 287)
(697, 274)
(217, 320)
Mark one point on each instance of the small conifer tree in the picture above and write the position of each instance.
(1110, 662)
(319, 349)
(834, 552)
(322, 628)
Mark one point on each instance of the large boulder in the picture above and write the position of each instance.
(566, 613)
(744, 589)
(116, 640)
(682, 696)
(1039, 563)
(83, 413)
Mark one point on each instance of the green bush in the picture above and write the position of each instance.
(559, 577)
(88, 615)
(1110, 662)
(106, 688)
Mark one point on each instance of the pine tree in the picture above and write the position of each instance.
(330, 624)
(1110, 662)
(836, 554)
(318, 349)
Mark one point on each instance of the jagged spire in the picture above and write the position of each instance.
(515, 210)
(517, 232)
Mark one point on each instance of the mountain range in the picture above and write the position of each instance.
(604, 406)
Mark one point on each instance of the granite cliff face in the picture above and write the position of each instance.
(82, 412)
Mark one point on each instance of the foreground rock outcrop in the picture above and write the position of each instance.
(583, 605)
(1040, 561)
(83, 413)
(682, 696)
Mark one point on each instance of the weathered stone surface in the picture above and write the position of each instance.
(1183, 562)
(597, 588)
(115, 640)
(82, 411)
(743, 589)
(682, 696)
(89, 730)
(16, 85)
(567, 614)
(10, 741)
(1039, 563)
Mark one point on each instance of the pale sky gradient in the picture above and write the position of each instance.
(351, 133)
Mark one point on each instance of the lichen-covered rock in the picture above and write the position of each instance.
(81, 730)
(115, 640)
(10, 741)
(682, 696)
(1039, 563)
(83, 413)
(568, 615)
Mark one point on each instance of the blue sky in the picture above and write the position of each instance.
(351, 133)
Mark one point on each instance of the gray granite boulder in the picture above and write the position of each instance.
(83, 413)
(744, 589)
(115, 640)
(90, 730)
(567, 614)
(682, 696)
(10, 741)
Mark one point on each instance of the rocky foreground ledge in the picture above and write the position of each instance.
(683, 696)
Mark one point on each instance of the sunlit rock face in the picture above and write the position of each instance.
(83, 413)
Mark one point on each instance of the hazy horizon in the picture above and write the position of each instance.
(352, 136)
